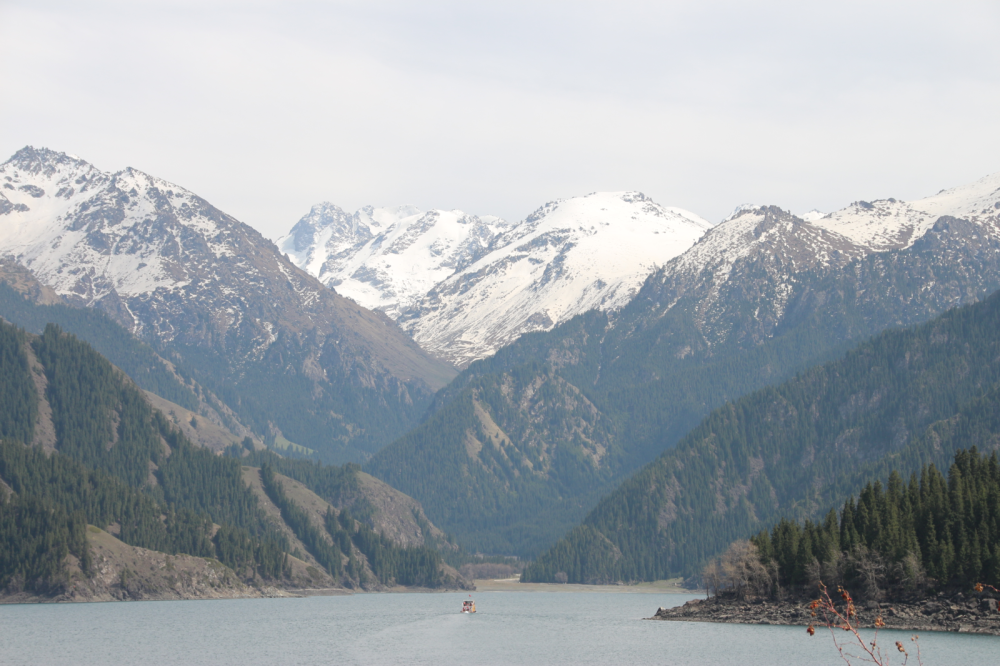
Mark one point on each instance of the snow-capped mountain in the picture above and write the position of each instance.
(751, 259)
(762, 258)
(889, 224)
(387, 258)
(464, 286)
(567, 257)
(181, 273)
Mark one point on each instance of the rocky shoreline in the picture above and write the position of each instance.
(957, 613)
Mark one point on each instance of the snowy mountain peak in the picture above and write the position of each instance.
(90, 234)
(567, 257)
(387, 258)
(182, 274)
(888, 224)
(761, 233)
(465, 285)
(42, 161)
(740, 210)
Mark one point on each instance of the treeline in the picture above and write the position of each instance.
(65, 486)
(121, 465)
(901, 401)
(930, 530)
(17, 390)
(336, 484)
(391, 563)
(92, 405)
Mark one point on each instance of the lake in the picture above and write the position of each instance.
(546, 628)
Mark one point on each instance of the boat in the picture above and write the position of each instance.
(469, 606)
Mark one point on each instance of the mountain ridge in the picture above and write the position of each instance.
(464, 286)
(198, 283)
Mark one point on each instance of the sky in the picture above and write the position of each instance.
(266, 108)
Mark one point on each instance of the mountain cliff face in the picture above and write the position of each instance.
(287, 354)
(761, 296)
(465, 286)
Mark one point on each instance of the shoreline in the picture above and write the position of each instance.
(514, 584)
(957, 614)
(249, 592)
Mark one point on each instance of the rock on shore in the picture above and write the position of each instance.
(959, 613)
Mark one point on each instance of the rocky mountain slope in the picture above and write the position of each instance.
(759, 297)
(466, 286)
(290, 356)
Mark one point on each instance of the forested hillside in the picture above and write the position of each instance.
(521, 445)
(118, 463)
(109, 459)
(905, 399)
(896, 539)
(899, 534)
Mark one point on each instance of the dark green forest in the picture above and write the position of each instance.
(157, 489)
(320, 546)
(930, 531)
(333, 483)
(905, 399)
(391, 563)
(35, 538)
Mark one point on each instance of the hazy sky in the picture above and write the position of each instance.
(265, 108)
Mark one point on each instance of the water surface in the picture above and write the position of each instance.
(510, 628)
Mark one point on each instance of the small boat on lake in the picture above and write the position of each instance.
(468, 606)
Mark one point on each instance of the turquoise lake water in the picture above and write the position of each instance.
(510, 628)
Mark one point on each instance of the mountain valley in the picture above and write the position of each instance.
(553, 362)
